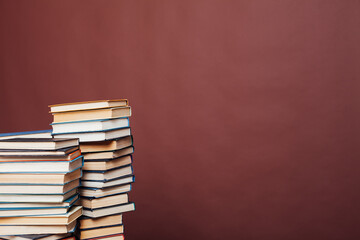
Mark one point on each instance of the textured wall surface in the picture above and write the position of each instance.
(246, 113)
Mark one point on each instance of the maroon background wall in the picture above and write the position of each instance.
(246, 113)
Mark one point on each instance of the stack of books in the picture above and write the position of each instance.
(103, 130)
(39, 180)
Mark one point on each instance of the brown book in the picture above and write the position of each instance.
(98, 165)
(76, 106)
(111, 145)
(105, 113)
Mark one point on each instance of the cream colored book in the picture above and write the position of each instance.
(108, 164)
(98, 232)
(105, 113)
(47, 219)
(110, 145)
(100, 222)
(100, 212)
(76, 106)
(105, 201)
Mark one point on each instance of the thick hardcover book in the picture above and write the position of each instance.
(39, 179)
(107, 164)
(108, 183)
(107, 175)
(39, 189)
(102, 231)
(89, 223)
(96, 136)
(94, 203)
(82, 115)
(46, 219)
(34, 153)
(35, 205)
(38, 229)
(108, 237)
(27, 158)
(105, 211)
(108, 155)
(65, 236)
(109, 145)
(28, 134)
(41, 198)
(78, 106)
(104, 192)
(38, 143)
(42, 166)
(90, 125)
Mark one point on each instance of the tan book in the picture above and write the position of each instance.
(100, 222)
(65, 236)
(98, 232)
(16, 178)
(40, 198)
(108, 154)
(108, 164)
(111, 145)
(39, 189)
(76, 106)
(37, 229)
(103, 192)
(101, 212)
(58, 219)
(105, 113)
(104, 202)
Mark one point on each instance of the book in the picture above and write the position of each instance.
(107, 175)
(26, 158)
(38, 229)
(59, 219)
(103, 192)
(76, 106)
(41, 179)
(101, 231)
(44, 198)
(86, 222)
(38, 143)
(39, 189)
(35, 205)
(108, 145)
(100, 212)
(41, 166)
(65, 236)
(33, 153)
(93, 203)
(109, 237)
(108, 154)
(103, 184)
(28, 134)
(82, 115)
(90, 125)
(96, 136)
(107, 164)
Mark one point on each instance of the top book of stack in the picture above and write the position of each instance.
(92, 110)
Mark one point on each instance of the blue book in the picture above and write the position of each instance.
(28, 134)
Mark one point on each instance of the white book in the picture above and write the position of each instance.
(38, 143)
(90, 126)
(96, 136)
(76, 106)
(42, 229)
(40, 198)
(100, 212)
(39, 189)
(107, 175)
(41, 166)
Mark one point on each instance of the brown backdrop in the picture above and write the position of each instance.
(246, 113)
